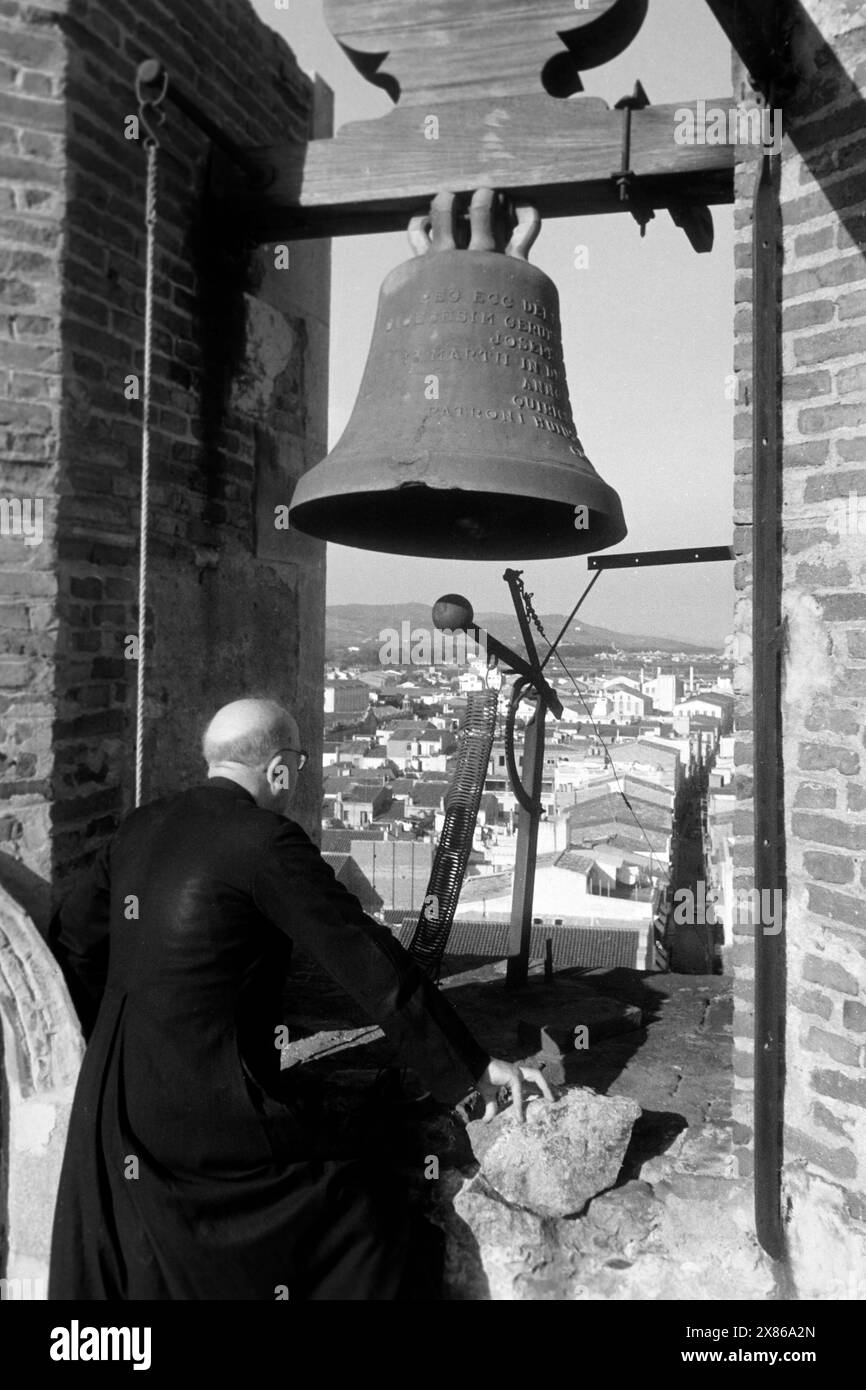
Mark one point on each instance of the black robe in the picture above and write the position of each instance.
(189, 1173)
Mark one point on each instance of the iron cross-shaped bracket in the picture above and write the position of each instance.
(695, 219)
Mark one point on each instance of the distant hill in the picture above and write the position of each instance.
(359, 625)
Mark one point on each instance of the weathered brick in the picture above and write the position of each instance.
(827, 1120)
(854, 1206)
(828, 831)
(824, 419)
(841, 1163)
(830, 868)
(815, 796)
(842, 1050)
(797, 386)
(812, 454)
(842, 271)
(852, 450)
(810, 1001)
(794, 542)
(823, 347)
(820, 757)
(839, 1087)
(843, 607)
(852, 306)
(743, 1064)
(745, 1162)
(807, 314)
(854, 1016)
(824, 716)
(828, 973)
(810, 243)
(841, 193)
(851, 381)
(837, 906)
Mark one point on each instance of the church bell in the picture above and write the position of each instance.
(462, 442)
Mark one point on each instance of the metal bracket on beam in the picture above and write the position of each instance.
(695, 219)
(641, 559)
(626, 179)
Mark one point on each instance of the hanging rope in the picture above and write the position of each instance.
(150, 117)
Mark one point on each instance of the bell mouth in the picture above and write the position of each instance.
(459, 524)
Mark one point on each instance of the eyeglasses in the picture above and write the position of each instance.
(302, 755)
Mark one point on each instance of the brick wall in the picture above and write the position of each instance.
(240, 391)
(823, 405)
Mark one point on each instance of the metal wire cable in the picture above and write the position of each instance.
(554, 651)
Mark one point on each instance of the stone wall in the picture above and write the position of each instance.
(240, 391)
(823, 411)
(41, 1053)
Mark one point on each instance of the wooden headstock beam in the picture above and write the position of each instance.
(561, 155)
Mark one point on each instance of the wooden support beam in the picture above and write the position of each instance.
(754, 29)
(559, 155)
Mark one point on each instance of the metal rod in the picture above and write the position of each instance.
(152, 73)
(766, 704)
(696, 555)
(523, 891)
(569, 620)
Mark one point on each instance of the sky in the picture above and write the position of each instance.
(648, 343)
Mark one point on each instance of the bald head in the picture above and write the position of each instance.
(248, 732)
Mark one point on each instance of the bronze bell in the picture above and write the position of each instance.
(462, 442)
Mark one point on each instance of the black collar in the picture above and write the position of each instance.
(227, 784)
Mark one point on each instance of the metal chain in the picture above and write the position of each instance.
(151, 145)
(530, 610)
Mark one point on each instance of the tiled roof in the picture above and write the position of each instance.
(612, 807)
(631, 779)
(636, 843)
(712, 698)
(429, 794)
(577, 860)
(482, 886)
(590, 947)
(336, 861)
(640, 748)
(336, 842)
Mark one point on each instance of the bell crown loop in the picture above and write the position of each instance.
(490, 223)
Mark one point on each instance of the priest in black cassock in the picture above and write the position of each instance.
(190, 1170)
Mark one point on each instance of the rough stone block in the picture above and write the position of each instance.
(562, 1155)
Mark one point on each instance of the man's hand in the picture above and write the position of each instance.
(501, 1073)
